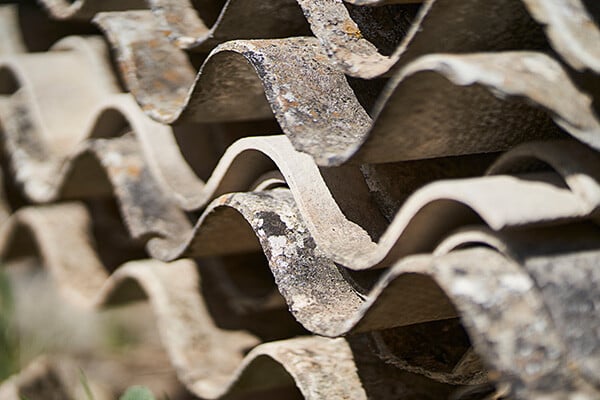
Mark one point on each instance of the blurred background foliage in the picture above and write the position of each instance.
(9, 338)
(118, 349)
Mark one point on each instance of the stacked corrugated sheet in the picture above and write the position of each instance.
(320, 198)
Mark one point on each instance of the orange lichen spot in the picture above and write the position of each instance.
(134, 170)
(351, 29)
(173, 76)
(287, 104)
(224, 199)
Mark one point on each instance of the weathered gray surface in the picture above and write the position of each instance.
(196, 346)
(455, 113)
(457, 277)
(455, 255)
(235, 19)
(202, 28)
(567, 24)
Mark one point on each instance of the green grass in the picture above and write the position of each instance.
(138, 393)
(9, 337)
(86, 385)
(117, 338)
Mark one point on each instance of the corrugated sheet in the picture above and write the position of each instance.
(360, 199)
